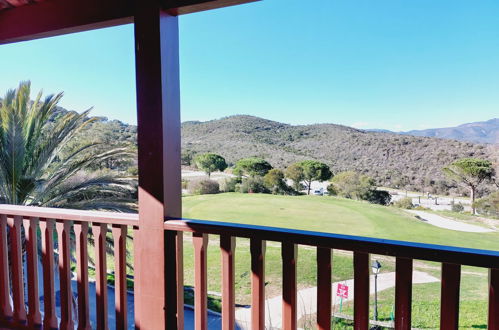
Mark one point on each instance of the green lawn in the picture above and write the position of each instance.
(329, 214)
(336, 215)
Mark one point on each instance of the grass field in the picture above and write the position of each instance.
(329, 214)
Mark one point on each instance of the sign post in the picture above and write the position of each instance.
(342, 292)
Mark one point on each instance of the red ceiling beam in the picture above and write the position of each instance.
(181, 7)
(55, 17)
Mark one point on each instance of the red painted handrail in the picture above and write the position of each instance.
(411, 250)
(63, 223)
(128, 219)
(405, 252)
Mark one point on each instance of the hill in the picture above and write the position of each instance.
(390, 158)
(477, 132)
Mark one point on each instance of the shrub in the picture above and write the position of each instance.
(353, 185)
(253, 185)
(203, 187)
(274, 181)
(230, 185)
(457, 207)
(488, 205)
(404, 203)
(381, 197)
(332, 190)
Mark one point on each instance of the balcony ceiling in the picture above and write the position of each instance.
(22, 20)
(5, 4)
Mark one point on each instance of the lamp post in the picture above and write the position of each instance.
(376, 266)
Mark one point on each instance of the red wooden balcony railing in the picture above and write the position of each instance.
(70, 230)
(405, 252)
(63, 250)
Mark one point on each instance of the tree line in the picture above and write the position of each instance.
(256, 175)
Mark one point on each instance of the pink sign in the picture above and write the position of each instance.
(342, 291)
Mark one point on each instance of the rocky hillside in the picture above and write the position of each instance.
(385, 156)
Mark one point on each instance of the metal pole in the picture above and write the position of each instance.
(375, 297)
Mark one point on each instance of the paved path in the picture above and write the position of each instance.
(442, 222)
(307, 299)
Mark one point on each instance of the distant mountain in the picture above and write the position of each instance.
(385, 156)
(478, 132)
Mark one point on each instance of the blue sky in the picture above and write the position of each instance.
(386, 64)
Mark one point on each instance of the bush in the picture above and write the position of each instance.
(253, 185)
(274, 181)
(404, 203)
(457, 207)
(230, 185)
(488, 205)
(332, 190)
(203, 187)
(381, 197)
(353, 185)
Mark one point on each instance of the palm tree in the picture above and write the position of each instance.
(42, 162)
(38, 165)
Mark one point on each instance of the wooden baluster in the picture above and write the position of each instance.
(120, 288)
(403, 293)
(289, 253)
(81, 233)
(227, 247)
(30, 230)
(257, 249)
(324, 289)
(5, 307)
(99, 231)
(493, 323)
(361, 290)
(449, 309)
(17, 270)
(179, 245)
(200, 283)
(49, 315)
(66, 296)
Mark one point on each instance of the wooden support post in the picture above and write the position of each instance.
(403, 293)
(81, 235)
(324, 290)
(449, 310)
(493, 320)
(289, 252)
(30, 230)
(158, 119)
(227, 247)
(361, 290)
(50, 317)
(5, 307)
(257, 249)
(200, 281)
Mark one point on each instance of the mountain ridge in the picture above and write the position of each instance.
(478, 132)
(385, 156)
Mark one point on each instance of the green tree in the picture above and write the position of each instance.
(294, 172)
(353, 185)
(470, 172)
(314, 171)
(210, 163)
(274, 180)
(488, 205)
(252, 166)
(36, 167)
(186, 157)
